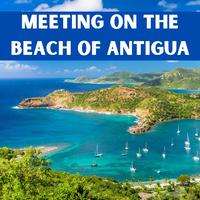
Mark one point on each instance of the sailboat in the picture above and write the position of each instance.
(172, 143)
(187, 147)
(178, 130)
(138, 154)
(125, 153)
(157, 171)
(145, 149)
(94, 165)
(187, 142)
(132, 169)
(196, 158)
(196, 133)
(97, 152)
(164, 153)
(126, 146)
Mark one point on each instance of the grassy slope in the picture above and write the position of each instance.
(178, 78)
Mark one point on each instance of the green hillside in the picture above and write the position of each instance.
(117, 78)
(182, 78)
(26, 175)
(179, 78)
(151, 104)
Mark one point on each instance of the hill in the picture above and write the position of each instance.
(151, 104)
(117, 78)
(25, 174)
(178, 78)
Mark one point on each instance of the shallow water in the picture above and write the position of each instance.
(80, 132)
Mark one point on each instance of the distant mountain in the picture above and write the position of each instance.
(118, 78)
(178, 78)
(81, 79)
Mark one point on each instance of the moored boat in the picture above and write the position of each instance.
(164, 153)
(97, 152)
(145, 149)
(138, 154)
(132, 169)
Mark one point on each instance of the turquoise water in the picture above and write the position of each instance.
(78, 133)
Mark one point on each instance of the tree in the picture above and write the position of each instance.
(184, 180)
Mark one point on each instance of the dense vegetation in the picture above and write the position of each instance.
(151, 104)
(25, 174)
(178, 78)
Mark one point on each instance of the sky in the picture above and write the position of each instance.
(98, 5)
(70, 69)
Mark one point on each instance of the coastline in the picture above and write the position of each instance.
(138, 120)
(163, 182)
(65, 81)
(45, 150)
(147, 104)
(141, 126)
(148, 184)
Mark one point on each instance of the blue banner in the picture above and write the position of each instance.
(99, 36)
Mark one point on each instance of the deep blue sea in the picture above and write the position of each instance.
(79, 133)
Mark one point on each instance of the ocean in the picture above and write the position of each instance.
(78, 133)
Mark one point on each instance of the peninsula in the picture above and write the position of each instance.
(152, 105)
(118, 78)
(179, 78)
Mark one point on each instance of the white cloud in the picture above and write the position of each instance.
(167, 6)
(172, 61)
(23, 1)
(42, 7)
(193, 3)
(75, 5)
(80, 70)
(15, 66)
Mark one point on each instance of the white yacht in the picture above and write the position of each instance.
(164, 153)
(94, 165)
(132, 169)
(126, 146)
(97, 152)
(172, 142)
(196, 158)
(196, 133)
(187, 148)
(158, 171)
(178, 130)
(138, 154)
(145, 149)
(187, 142)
